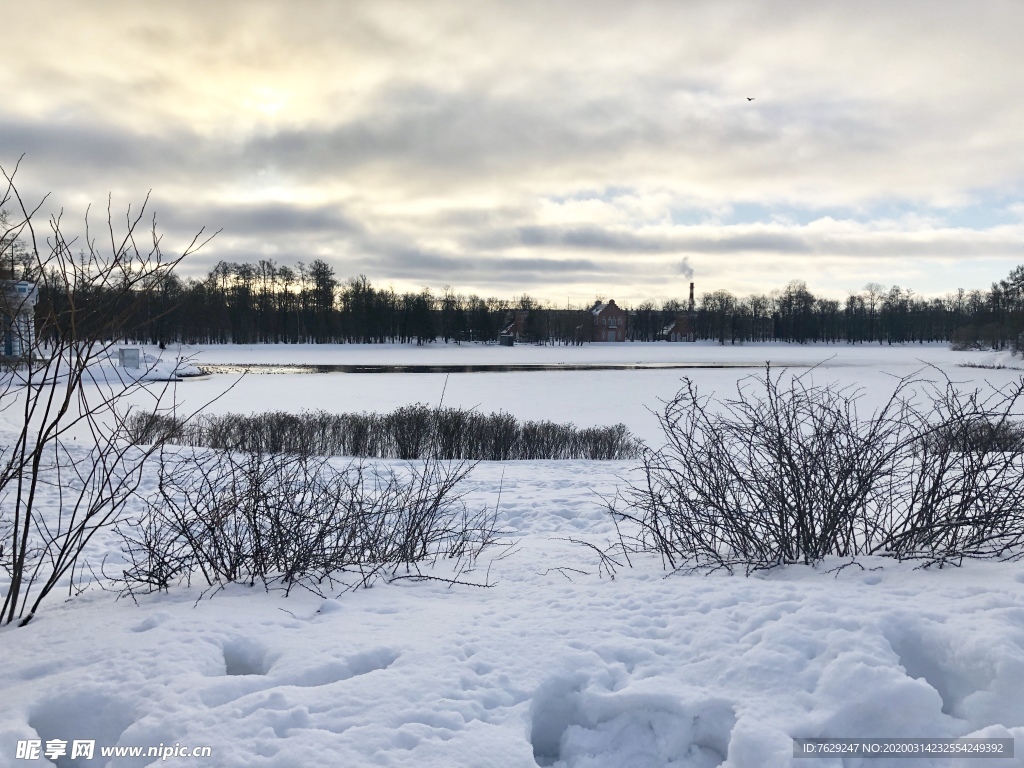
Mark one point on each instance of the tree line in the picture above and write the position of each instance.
(267, 302)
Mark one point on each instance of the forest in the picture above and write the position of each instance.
(268, 302)
(264, 302)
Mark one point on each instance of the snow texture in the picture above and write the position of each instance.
(557, 664)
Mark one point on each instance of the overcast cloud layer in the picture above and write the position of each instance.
(566, 149)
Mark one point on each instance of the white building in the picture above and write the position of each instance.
(17, 317)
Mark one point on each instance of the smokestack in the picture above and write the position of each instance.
(691, 297)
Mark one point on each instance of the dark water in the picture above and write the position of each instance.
(299, 368)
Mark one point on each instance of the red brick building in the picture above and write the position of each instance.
(609, 322)
(514, 327)
(605, 321)
(680, 329)
(683, 327)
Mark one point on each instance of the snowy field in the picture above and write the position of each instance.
(558, 662)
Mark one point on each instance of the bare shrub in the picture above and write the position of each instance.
(792, 473)
(606, 443)
(450, 430)
(292, 519)
(501, 436)
(976, 433)
(410, 432)
(959, 488)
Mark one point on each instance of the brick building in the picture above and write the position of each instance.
(684, 326)
(609, 322)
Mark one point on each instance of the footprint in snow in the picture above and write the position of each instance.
(249, 670)
(576, 727)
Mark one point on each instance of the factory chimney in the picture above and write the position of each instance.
(691, 320)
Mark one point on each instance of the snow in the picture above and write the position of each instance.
(104, 369)
(153, 366)
(586, 398)
(559, 662)
(604, 352)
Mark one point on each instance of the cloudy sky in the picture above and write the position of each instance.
(560, 149)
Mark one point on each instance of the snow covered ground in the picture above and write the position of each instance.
(557, 663)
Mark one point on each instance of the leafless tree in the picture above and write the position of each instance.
(58, 491)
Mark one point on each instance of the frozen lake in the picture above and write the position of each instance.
(596, 384)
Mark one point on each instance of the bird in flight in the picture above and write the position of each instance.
(750, 98)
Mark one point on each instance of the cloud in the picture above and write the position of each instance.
(590, 238)
(271, 219)
(509, 144)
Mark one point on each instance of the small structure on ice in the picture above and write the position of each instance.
(18, 299)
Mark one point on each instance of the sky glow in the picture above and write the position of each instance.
(563, 150)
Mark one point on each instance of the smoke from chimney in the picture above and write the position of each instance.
(685, 269)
